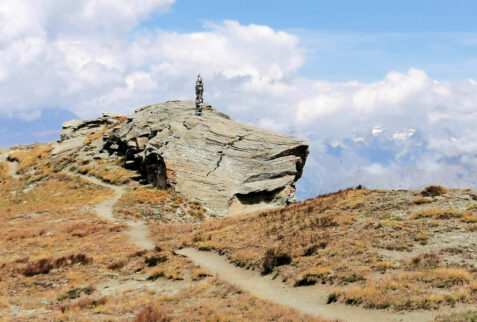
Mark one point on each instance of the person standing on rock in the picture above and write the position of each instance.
(199, 92)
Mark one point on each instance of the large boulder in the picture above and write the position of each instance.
(229, 166)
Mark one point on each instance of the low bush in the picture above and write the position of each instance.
(45, 265)
(314, 275)
(151, 314)
(273, 258)
(153, 260)
(433, 191)
(85, 303)
(429, 260)
(313, 248)
(116, 265)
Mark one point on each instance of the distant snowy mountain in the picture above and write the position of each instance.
(380, 159)
(377, 158)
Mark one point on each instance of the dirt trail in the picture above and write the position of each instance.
(138, 231)
(114, 287)
(310, 300)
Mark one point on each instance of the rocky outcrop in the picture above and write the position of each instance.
(75, 133)
(229, 166)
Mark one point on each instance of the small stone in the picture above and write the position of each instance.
(141, 278)
(110, 275)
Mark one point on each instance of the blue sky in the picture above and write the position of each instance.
(360, 40)
(337, 15)
(385, 91)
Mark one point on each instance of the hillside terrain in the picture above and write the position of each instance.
(394, 250)
(61, 259)
(86, 236)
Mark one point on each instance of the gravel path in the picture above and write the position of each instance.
(310, 300)
(138, 231)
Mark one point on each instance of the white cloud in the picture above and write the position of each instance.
(84, 56)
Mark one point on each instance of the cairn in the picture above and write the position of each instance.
(199, 92)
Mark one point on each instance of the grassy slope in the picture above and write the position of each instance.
(56, 255)
(378, 249)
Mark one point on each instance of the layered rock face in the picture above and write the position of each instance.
(229, 166)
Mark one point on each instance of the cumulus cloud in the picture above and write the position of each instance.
(80, 55)
(90, 56)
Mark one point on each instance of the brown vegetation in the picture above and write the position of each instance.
(28, 158)
(55, 253)
(159, 205)
(358, 241)
(151, 314)
(110, 172)
(433, 191)
(45, 265)
(93, 137)
(378, 249)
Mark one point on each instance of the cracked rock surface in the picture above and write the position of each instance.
(229, 166)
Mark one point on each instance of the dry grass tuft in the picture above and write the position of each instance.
(27, 159)
(437, 213)
(199, 274)
(151, 314)
(312, 276)
(433, 191)
(422, 200)
(159, 205)
(274, 258)
(81, 304)
(108, 172)
(470, 316)
(45, 265)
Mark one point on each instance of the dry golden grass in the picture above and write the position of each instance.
(93, 137)
(110, 172)
(209, 299)
(214, 300)
(391, 292)
(422, 200)
(469, 217)
(159, 205)
(470, 316)
(54, 252)
(28, 158)
(50, 243)
(44, 189)
(438, 213)
(355, 240)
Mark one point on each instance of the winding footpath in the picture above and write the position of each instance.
(310, 300)
(137, 231)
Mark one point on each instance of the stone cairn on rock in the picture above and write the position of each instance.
(228, 166)
(199, 92)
